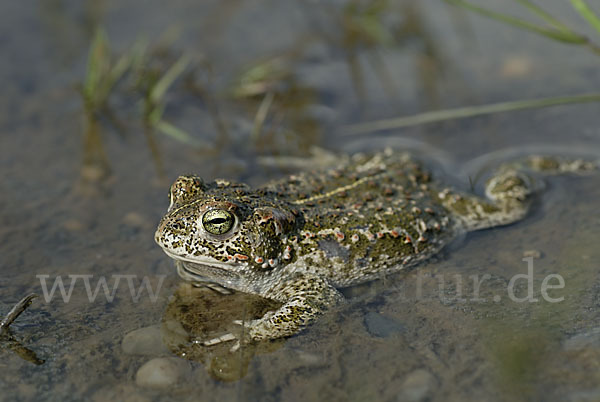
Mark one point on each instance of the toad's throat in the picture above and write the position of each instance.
(202, 273)
(205, 272)
(207, 267)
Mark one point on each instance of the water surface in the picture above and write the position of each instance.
(82, 196)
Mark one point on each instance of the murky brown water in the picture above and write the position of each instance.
(82, 196)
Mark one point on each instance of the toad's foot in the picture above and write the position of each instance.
(509, 191)
(228, 337)
(305, 296)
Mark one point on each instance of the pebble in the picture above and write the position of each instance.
(417, 386)
(308, 359)
(532, 253)
(145, 341)
(162, 372)
(516, 66)
(382, 326)
(93, 173)
(73, 225)
(586, 395)
(118, 392)
(134, 219)
(590, 338)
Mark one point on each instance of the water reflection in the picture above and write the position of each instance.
(10, 342)
(195, 314)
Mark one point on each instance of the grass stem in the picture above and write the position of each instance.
(465, 112)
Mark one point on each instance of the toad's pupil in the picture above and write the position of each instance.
(217, 221)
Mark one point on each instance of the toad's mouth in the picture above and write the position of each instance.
(205, 270)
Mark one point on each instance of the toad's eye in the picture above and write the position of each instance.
(217, 221)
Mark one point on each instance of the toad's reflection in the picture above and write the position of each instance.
(195, 314)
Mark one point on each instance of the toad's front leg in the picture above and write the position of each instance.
(305, 297)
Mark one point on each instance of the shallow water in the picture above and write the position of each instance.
(81, 198)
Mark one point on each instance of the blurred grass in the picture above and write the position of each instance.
(153, 103)
(105, 71)
(586, 12)
(272, 92)
(553, 29)
(260, 78)
(102, 73)
(138, 73)
(466, 112)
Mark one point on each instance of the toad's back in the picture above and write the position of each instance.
(367, 216)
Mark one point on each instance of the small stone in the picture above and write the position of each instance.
(162, 372)
(145, 341)
(124, 391)
(417, 386)
(382, 326)
(73, 225)
(308, 359)
(93, 173)
(590, 338)
(532, 253)
(47, 341)
(585, 395)
(516, 66)
(134, 219)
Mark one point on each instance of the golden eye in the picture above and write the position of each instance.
(217, 221)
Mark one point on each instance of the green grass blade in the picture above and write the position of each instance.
(155, 114)
(586, 12)
(96, 65)
(139, 53)
(464, 112)
(166, 80)
(121, 67)
(261, 115)
(175, 133)
(544, 15)
(553, 33)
